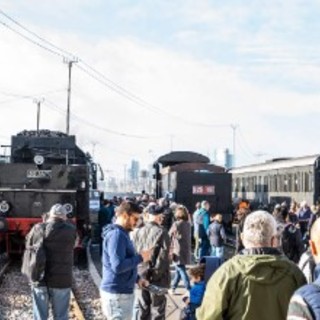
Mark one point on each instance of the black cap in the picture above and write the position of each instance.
(155, 210)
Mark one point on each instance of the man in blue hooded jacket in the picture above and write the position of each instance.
(120, 260)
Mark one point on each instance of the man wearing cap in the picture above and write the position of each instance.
(59, 239)
(157, 271)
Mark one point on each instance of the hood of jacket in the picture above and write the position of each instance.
(265, 269)
(111, 227)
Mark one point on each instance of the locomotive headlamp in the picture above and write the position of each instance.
(4, 206)
(38, 159)
(68, 207)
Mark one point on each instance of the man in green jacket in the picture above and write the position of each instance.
(256, 284)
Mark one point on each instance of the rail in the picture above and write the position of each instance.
(75, 309)
(4, 269)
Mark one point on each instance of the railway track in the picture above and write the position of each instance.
(4, 269)
(16, 301)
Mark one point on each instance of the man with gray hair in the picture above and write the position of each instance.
(255, 284)
(58, 238)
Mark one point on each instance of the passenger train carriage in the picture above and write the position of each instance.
(278, 180)
(45, 167)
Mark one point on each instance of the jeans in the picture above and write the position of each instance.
(217, 251)
(117, 306)
(59, 299)
(180, 273)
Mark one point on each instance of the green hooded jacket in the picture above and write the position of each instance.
(251, 287)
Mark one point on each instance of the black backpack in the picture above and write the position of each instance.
(34, 257)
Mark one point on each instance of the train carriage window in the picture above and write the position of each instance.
(243, 188)
(271, 183)
(265, 183)
(238, 184)
(282, 185)
(289, 179)
(311, 181)
(251, 184)
(296, 183)
(285, 183)
(259, 184)
(306, 182)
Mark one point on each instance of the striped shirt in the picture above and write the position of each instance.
(299, 309)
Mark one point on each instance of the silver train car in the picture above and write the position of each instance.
(278, 180)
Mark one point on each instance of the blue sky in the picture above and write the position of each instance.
(253, 63)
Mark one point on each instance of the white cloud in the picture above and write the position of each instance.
(191, 89)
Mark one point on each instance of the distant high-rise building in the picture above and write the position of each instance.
(222, 157)
(134, 171)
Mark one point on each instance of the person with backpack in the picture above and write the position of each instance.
(150, 305)
(203, 221)
(291, 239)
(58, 236)
(305, 303)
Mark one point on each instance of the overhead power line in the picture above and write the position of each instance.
(99, 76)
(102, 79)
(91, 124)
(28, 39)
(35, 35)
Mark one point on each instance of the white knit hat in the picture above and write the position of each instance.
(58, 211)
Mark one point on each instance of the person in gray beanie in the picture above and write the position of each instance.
(55, 289)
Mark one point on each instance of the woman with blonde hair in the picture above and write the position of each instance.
(180, 234)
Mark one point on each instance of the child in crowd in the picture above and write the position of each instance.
(196, 292)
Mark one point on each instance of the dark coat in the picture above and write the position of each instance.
(59, 244)
(180, 234)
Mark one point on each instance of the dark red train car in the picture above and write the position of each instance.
(187, 178)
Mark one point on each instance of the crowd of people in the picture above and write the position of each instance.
(273, 274)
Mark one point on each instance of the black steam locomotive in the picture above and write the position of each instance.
(45, 167)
